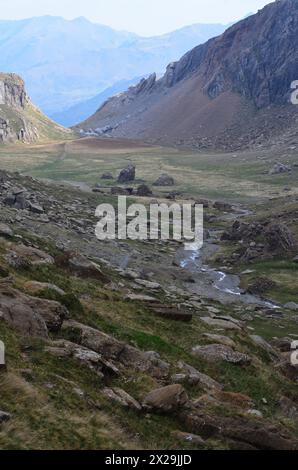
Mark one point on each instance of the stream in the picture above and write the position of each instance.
(213, 283)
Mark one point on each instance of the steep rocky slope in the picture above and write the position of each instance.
(230, 92)
(20, 120)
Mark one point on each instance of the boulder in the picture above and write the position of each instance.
(5, 231)
(4, 416)
(30, 316)
(243, 432)
(221, 323)
(166, 399)
(143, 190)
(117, 191)
(86, 357)
(118, 395)
(164, 180)
(279, 238)
(192, 376)
(292, 306)
(93, 339)
(280, 168)
(113, 350)
(21, 256)
(82, 267)
(127, 175)
(219, 352)
(36, 208)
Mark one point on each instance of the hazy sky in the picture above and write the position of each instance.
(146, 17)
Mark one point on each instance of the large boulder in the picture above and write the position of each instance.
(20, 256)
(86, 357)
(82, 267)
(113, 350)
(279, 238)
(241, 433)
(5, 231)
(164, 180)
(117, 395)
(280, 168)
(143, 190)
(30, 316)
(166, 399)
(191, 376)
(127, 175)
(220, 352)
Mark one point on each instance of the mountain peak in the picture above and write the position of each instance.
(218, 86)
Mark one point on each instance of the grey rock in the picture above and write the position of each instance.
(219, 352)
(164, 180)
(127, 175)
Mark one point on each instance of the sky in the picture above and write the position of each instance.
(144, 17)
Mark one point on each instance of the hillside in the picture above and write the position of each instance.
(20, 120)
(93, 58)
(106, 348)
(226, 93)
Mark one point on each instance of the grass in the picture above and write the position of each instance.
(213, 175)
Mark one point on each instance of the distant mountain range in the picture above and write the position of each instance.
(84, 109)
(66, 62)
(231, 92)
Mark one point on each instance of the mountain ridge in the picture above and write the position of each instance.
(20, 120)
(214, 89)
(93, 57)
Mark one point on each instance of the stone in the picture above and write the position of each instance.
(166, 399)
(192, 376)
(140, 298)
(86, 357)
(288, 408)
(219, 352)
(256, 413)
(164, 180)
(143, 191)
(127, 175)
(21, 255)
(84, 268)
(36, 208)
(113, 350)
(255, 434)
(30, 316)
(93, 339)
(259, 341)
(217, 322)
(6, 231)
(279, 168)
(118, 395)
(148, 284)
(279, 238)
(292, 306)
(4, 417)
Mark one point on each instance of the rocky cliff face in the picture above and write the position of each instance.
(19, 119)
(223, 87)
